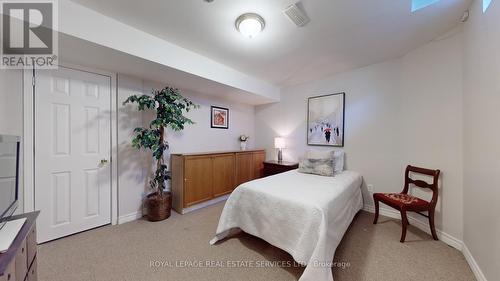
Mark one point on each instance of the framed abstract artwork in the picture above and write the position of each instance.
(325, 120)
(219, 117)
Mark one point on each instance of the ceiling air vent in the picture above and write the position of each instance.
(296, 15)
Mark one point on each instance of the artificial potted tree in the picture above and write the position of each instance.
(170, 107)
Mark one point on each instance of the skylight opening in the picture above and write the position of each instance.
(420, 4)
(486, 4)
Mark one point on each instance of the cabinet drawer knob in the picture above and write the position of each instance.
(22, 250)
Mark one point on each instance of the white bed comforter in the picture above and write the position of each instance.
(304, 215)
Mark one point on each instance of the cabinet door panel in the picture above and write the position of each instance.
(223, 174)
(197, 180)
(31, 245)
(21, 262)
(258, 162)
(33, 272)
(10, 273)
(244, 168)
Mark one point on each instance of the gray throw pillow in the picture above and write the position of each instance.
(322, 167)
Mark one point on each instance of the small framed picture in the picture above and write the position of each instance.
(219, 117)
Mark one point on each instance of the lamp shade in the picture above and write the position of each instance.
(279, 142)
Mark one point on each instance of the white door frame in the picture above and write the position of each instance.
(29, 137)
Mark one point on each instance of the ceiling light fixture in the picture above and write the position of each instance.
(250, 24)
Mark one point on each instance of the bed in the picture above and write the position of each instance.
(305, 215)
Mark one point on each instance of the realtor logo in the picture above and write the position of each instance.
(28, 36)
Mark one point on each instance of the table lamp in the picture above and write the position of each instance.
(279, 143)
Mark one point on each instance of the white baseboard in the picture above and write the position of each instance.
(129, 217)
(473, 264)
(443, 236)
(137, 215)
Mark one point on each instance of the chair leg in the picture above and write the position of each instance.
(404, 224)
(376, 211)
(431, 224)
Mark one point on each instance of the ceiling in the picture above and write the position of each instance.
(342, 34)
(76, 51)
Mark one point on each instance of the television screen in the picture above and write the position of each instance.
(8, 175)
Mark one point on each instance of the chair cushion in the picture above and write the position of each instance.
(401, 199)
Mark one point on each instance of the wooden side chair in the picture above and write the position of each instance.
(408, 203)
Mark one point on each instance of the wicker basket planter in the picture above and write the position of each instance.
(158, 207)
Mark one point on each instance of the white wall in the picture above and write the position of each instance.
(404, 111)
(482, 137)
(194, 138)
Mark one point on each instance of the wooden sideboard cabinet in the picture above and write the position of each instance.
(201, 177)
(19, 263)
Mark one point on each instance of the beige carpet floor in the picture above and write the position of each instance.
(164, 251)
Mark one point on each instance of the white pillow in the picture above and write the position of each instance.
(321, 167)
(338, 161)
(336, 155)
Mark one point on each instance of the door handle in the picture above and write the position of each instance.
(104, 162)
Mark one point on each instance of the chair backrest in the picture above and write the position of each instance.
(422, 184)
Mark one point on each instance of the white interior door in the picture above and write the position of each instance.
(72, 145)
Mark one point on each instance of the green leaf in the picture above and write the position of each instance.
(170, 107)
